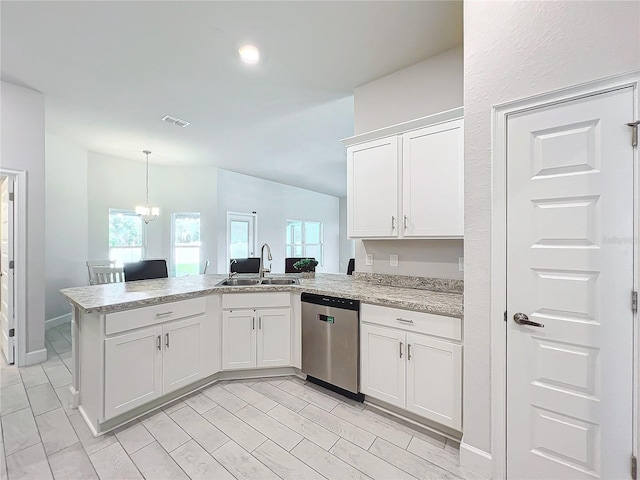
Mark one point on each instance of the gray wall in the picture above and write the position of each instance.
(513, 50)
(276, 203)
(117, 183)
(428, 87)
(66, 222)
(22, 131)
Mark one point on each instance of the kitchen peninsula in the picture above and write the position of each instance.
(139, 345)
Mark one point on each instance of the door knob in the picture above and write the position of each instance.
(522, 319)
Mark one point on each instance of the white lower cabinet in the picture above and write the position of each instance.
(412, 371)
(182, 361)
(133, 370)
(256, 338)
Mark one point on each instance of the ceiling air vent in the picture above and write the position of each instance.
(175, 120)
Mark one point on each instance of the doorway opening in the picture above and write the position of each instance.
(241, 236)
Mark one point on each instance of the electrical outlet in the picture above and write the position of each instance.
(393, 260)
(369, 260)
(461, 264)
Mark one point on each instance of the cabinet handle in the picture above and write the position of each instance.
(253, 323)
(159, 342)
(393, 223)
(405, 222)
(404, 320)
(163, 314)
(408, 351)
(400, 349)
(166, 339)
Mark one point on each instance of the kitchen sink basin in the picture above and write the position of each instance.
(239, 282)
(247, 282)
(280, 281)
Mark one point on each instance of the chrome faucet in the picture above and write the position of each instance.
(231, 274)
(262, 269)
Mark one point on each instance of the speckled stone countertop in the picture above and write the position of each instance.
(123, 296)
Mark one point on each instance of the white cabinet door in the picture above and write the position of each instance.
(274, 338)
(382, 364)
(133, 370)
(432, 181)
(372, 189)
(238, 339)
(434, 379)
(183, 353)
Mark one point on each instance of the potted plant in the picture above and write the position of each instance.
(307, 266)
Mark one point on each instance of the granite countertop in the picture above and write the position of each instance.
(123, 296)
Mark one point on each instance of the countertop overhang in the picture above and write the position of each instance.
(128, 295)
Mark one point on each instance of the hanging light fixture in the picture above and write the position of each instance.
(147, 213)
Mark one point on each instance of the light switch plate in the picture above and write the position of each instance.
(461, 264)
(393, 260)
(369, 260)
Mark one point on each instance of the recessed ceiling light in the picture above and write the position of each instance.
(249, 54)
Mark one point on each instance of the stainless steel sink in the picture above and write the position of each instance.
(239, 282)
(280, 281)
(247, 282)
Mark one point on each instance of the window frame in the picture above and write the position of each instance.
(304, 244)
(175, 245)
(143, 232)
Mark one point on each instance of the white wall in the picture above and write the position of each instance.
(513, 50)
(22, 134)
(276, 203)
(429, 87)
(117, 183)
(347, 247)
(66, 222)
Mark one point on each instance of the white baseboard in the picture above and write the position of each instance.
(476, 460)
(54, 322)
(35, 357)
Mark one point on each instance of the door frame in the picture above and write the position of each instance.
(228, 235)
(500, 114)
(20, 260)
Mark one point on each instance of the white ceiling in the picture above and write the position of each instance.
(111, 70)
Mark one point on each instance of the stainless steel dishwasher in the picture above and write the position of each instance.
(331, 343)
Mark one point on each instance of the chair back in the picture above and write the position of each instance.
(92, 264)
(245, 265)
(206, 265)
(104, 275)
(145, 270)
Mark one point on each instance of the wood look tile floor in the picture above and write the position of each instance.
(277, 428)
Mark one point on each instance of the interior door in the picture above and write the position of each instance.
(183, 353)
(570, 269)
(7, 319)
(241, 235)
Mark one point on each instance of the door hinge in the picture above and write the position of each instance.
(634, 301)
(634, 467)
(505, 315)
(12, 332)
(11, 197)
(10, 263)
(634, 132)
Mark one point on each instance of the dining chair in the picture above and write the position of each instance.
(104, 275)
(92, 264)
(245, 265)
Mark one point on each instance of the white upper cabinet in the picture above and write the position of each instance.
(409, 184)
(432, 181)
(372, 188)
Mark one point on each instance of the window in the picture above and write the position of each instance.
(304, 239)
(125, 236)
(186, 243)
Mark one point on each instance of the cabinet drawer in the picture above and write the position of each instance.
(418, 322)
(140, 317)
(256, 300)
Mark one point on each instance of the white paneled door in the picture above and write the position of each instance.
(570, 269)
(7, 319)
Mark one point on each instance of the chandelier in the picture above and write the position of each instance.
(147, 213)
